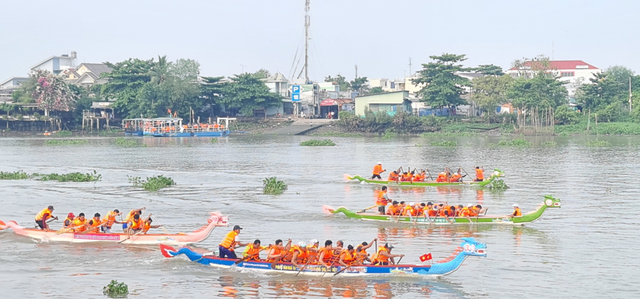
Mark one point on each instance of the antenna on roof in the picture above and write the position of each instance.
(552, 50)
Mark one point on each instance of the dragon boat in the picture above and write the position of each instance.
(216, 219)
(469, 247)
(496, 173)
(549, 202)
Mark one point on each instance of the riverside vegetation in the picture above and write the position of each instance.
(153, 183)
(65, 177)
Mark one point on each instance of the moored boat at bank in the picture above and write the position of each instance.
(496, 173)
(173, 127)
(549, 202)
(469, 247)
(216, 219)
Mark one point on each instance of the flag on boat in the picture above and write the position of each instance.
(425, 257)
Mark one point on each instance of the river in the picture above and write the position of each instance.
(586, 249)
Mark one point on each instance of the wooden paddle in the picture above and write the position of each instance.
(343, 269)
(398, 263)
(363, 210)
(131, 236)
(249, 256)
(305, 266)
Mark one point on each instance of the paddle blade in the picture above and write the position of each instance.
(167, 250)
(327, 210)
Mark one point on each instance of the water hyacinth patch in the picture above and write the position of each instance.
(116, 290)
(153, 183)
(444, 143)
(323, 142)
(273, 187)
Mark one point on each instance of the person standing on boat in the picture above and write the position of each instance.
(377, 171)
(230, 242)
(382, 200)
(479, 174)
(43, 216)
(516, 211)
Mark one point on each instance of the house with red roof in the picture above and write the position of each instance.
(574, 72)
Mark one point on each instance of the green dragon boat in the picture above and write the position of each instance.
(549, 202)
(496, 173)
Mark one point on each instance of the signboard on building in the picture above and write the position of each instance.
(295, 93)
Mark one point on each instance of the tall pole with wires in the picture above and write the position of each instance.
(307, 23)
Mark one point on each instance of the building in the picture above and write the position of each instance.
(390, 102)
(574, 72)
(56, 64)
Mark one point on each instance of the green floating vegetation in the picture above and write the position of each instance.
(549, 144)
(65, 141)
(125, 142)
(498, 185)
(597, 143)
(214, 140)
(514, 142)
(338, 134)
(16, 175)
(116, 290)
(64, 133)
(444, 143)
(316, 142)
(70, 177)
(273, 187)
(154, 183)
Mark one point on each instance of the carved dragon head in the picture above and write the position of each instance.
(472, 247)
(497, 173)
(551, 202)
(218, 219)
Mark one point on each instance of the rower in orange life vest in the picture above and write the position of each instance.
(43, 216)
(442, 177)
(94, 224)
(129, 217)
(80, 223)
(326, 257)
(68, 222)
(377, 171)
(393, 209)
(229, 243)
(479, 174)
(347, 256)
(516, 211)
(361, 253)
(252, 252)
(300, 254)
(109, 220)
(384, 257)
(456, 177)
(135, 225)
(382, 200)
(277, 251)
(394, 176)
(146, 225)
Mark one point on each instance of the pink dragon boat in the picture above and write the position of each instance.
(216, 219)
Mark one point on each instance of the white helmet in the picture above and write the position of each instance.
(302, 244)
(313, 241)
(412, 203)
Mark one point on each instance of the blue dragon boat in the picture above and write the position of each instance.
(173, 127)
(469, 247)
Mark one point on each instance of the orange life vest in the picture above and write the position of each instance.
(456, 177)
(442, 177)
(419, 177)
(517, 212)
(360, 255)
(312, 255)
(79, 225)
(253, 252)
(377, 170)
(136, 224)
(347, 257)
(393, 210)
(95, 225)
(479, 174)
(408, 211)
(146, 227)
(275, 250)
(464, 212)
(473, 211)
(379, 258)
(43, 215)
(443, 210)
(417, 210)
(67, 223)
(229, 240)
(393, 177)
(328, 254)
(110, 219)
(381, 200)
(302, 254)
(405, 177)
(433, 212)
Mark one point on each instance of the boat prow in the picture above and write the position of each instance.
(468, 247)
(215, 219)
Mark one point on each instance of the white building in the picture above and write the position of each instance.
(574, 72)
(56, 64)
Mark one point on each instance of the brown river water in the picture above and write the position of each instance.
(586, 249)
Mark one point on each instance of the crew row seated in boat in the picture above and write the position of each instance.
(429, 209)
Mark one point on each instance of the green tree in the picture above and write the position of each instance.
(608, 89)
(441, 86)
(541, 91)
(359, 85)
(490, 70)
(376, 89)
(340, 80)
(211, 92)
(24, 93)
(247, 92)
(125, 84)
(51, 92)
(488, 92)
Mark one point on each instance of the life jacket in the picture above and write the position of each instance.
(328, 254)
(274, 250)
(408, 211)
(417, 210)
(79, 225)
(381, 200)
(136, 224)
(347, 257)
(442, 177)
(405, 177)
(253, 252)
(312, 255)
(94, 225)
(479, 174)
(443, 210)
(456, 177)
(377, 170)
(393, 209)
(67, 223)
(44, 214)
(110, 219)
(419, 177)
(360, 255)
(146, 226)
(379, 258)
(393, 176)
(517, 212)
(473, 211)
(130, 216)
(302, 254)
(432, 212)
(229, 240)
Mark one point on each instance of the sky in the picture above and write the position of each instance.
(380, 37)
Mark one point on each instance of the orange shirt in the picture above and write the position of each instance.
(377, 170)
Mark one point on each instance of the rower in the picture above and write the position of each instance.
(377, 171)
(419, 209)
(253, 251)
(95, 224)
(393, 176)
(347, 256)
(80, 223)
(68, 221)
(479, 174)
(230, 242)
(146, 225)
(456, 177)
(361, 253)
(516, 211)
(130, 217)
(408, 210)
(382, 200)
(326, 254)
(313, 251)
(405, 177)
(277, 251)
(420, 177)
(393, 208)
(109, 220)
(300, 254)
(135, 225)
(442, 177)
(384, 256)
(339, 247)
(430, 210)
(43, 216)
(401, 207)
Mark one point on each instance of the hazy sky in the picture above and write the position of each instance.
(231, 36)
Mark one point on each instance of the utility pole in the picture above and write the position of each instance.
(630, 95)
(410, 66)
(356, 71)
(307, 23)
